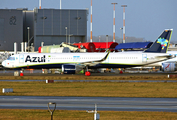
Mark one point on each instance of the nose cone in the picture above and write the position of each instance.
(4, 63)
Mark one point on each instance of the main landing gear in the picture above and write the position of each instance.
(19, 73)
(87, 73)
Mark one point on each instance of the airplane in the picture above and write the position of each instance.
(75, 62)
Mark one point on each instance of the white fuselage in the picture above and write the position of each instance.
(55, 60)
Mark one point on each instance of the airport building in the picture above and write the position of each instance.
(11, 28)
(51, 26)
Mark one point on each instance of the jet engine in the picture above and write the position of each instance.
(71, 68)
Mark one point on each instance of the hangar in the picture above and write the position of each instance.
(11, 28)
(51, 26)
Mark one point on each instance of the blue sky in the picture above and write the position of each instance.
(144, 18)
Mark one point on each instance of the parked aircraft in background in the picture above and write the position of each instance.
(171, 64)
(75, 62)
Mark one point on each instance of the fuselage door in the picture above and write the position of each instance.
(21, 58)
(144, 58)
(76, 58)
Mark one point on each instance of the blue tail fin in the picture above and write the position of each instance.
(162, 43)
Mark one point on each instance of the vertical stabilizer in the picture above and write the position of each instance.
(162, 43)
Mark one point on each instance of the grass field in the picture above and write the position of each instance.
(101, 89)
(17, 114)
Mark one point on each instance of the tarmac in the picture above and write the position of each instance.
(9, 75)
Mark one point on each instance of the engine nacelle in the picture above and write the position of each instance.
(169, 66)
(71, 69)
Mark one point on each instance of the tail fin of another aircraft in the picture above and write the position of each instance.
(162, 43)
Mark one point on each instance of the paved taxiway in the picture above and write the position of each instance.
(87, 103)
(126, 81)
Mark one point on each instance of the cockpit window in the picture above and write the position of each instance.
(11, 58)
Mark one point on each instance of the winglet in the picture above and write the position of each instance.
(106, 56)
(162, 43)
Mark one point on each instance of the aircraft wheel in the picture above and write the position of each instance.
(87, 73)
(121, 72)
(21, 73)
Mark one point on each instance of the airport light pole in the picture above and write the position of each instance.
(66, 34)
(60, 4)
(91, 22)
(121, 34)
(50, 110)
(123, 22)
(28, 36)
(69, 37)
(114, 22)
(107, 41)
(40, 4)
(25, 46)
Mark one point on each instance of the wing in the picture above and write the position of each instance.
(92, 63)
